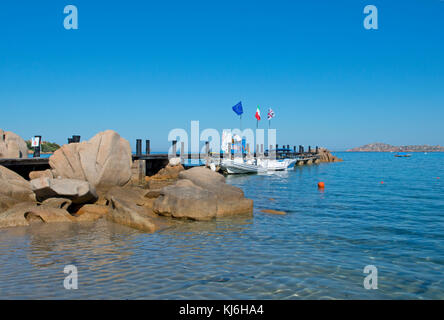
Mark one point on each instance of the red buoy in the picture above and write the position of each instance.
(321, 185)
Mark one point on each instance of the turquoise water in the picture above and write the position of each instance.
(318, 250)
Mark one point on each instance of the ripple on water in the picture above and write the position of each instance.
(318, 250)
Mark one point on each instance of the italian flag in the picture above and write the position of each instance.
(258, 114)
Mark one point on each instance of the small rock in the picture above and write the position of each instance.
(78, 191)
(273, 211)
(59, 203)
(38, 174)
(174, 162)
(152, 194)
(91, 212)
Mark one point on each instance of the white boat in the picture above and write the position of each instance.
(239, 165)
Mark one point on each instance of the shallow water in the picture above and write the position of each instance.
(318, 250)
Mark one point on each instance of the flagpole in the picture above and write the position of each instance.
(240, 119)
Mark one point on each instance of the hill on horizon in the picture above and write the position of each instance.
(384, 147)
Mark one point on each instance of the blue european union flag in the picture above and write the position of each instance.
(238, 109)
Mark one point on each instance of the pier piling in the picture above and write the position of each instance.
(147, 147)
(139, 147)
(174, 147)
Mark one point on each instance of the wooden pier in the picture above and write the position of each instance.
(153, 162)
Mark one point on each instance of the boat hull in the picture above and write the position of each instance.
(242, 167)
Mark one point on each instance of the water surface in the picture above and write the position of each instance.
(318, 250)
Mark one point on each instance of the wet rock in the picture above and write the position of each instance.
(129, 207)
(23, 214)
(234, 207)
(186, 200)
(12, 145)
(273, 211)
(104, 161)
(78, 191)
(201, 194)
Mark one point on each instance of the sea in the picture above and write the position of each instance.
(378, 216)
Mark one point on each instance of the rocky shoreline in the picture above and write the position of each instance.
(94, 179)
(97, 179)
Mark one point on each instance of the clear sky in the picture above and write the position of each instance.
(145, 67)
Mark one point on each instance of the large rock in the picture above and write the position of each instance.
(13, 189)
(12, 145)
(129, 207)
(23, 214)
(78, 191)
(186, 200)
(201, 194)
(202, 177)
(326, 156)
(104, 161)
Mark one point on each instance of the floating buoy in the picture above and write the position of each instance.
(382, 182)
(321, 185)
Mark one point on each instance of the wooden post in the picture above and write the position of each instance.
(139, 147)
(147, 147)
(148, 164)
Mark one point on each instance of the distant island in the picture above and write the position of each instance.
(384, 147)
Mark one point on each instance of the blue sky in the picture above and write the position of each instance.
(143, 68)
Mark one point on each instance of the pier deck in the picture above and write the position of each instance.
(153, 162)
